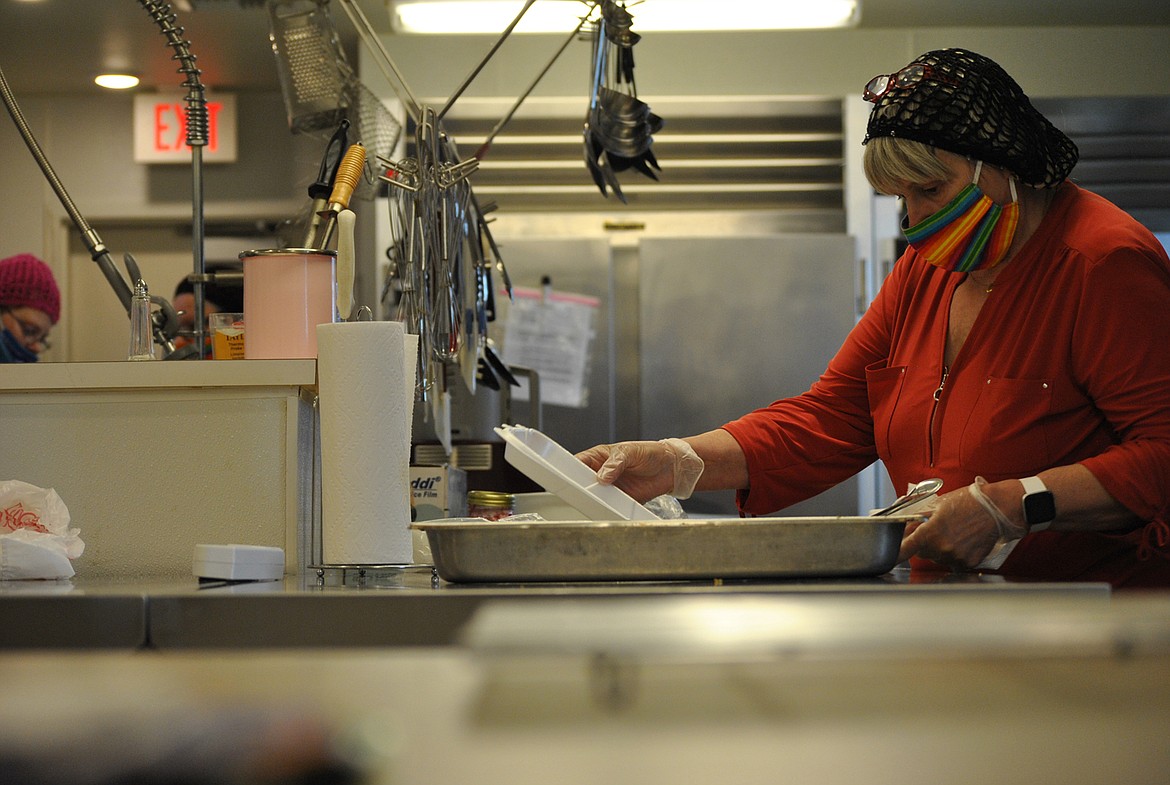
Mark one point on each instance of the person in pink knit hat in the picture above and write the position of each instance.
(30, 304)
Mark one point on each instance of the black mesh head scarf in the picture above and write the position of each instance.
(967, 104)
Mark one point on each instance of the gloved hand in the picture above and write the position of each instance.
(961, 531)
(646, 469)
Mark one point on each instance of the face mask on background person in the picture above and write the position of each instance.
(15, 350)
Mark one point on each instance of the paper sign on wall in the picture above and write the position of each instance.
(552, 333)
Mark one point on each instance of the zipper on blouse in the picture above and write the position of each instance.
(934, 409)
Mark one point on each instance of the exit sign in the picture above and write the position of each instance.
(160, 129)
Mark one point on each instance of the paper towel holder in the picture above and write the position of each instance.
(356, 575)
(363, 575)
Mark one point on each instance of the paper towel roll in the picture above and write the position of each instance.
(365, 375)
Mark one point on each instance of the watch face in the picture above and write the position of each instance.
(1039, 507)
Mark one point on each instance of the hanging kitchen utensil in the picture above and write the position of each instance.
(485, 376)
(469, 267)
(485, 237)
(319, 86)
(345, 263)
(619, 128)
(320, 189)
(349, 174)
(378, 131)
(618, 31)
(623, 127)
(316, 79)
(435, 208)
(500, 367)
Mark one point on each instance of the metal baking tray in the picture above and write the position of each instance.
(475, 550)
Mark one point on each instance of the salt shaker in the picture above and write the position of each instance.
(141, 334)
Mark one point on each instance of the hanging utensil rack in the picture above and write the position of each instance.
(443, 256)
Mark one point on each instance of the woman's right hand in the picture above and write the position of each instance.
(644, 470)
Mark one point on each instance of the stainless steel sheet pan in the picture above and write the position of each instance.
(472, 550)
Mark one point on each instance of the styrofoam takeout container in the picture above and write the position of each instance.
(559, 472)
(548, 506)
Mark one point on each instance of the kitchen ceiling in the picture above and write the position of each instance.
(57, 46)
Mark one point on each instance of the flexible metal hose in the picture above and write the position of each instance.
(197, 126)
(167, 22)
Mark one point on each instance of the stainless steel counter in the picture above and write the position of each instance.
(765, 686)
(56, 615)
(392, 608)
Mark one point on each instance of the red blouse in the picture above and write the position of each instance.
(1067, 362)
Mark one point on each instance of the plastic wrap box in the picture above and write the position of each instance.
(438, 492)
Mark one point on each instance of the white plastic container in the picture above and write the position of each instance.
(548, 506)
(559, 472)
(238, 562)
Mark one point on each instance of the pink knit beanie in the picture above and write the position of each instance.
(26, 280)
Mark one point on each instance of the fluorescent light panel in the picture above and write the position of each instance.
(561, 16)
(116, 81)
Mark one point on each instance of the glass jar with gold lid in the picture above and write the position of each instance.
(490, 505)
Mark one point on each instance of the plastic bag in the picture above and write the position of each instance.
(35, 538)
(666, 507)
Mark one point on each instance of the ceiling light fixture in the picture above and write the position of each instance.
(558, 16)
(116, 81)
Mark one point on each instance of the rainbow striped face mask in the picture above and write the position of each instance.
(970, 233)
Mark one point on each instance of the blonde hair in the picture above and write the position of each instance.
(891, 160)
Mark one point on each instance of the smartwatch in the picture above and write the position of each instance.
(1039, 504)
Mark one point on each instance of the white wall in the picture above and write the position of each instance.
(88, 140)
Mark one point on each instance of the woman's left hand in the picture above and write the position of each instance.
(958, 534)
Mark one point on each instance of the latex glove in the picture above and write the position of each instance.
(646, 469)
(687, 465)
(960, 532)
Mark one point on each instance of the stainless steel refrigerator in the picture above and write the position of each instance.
(693, 331)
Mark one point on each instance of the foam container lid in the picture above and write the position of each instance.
(558, 471)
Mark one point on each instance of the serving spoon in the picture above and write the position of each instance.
(918, 492)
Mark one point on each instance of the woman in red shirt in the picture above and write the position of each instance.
(1016, 351)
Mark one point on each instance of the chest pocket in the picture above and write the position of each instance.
(1005, 433)
(884, 385)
